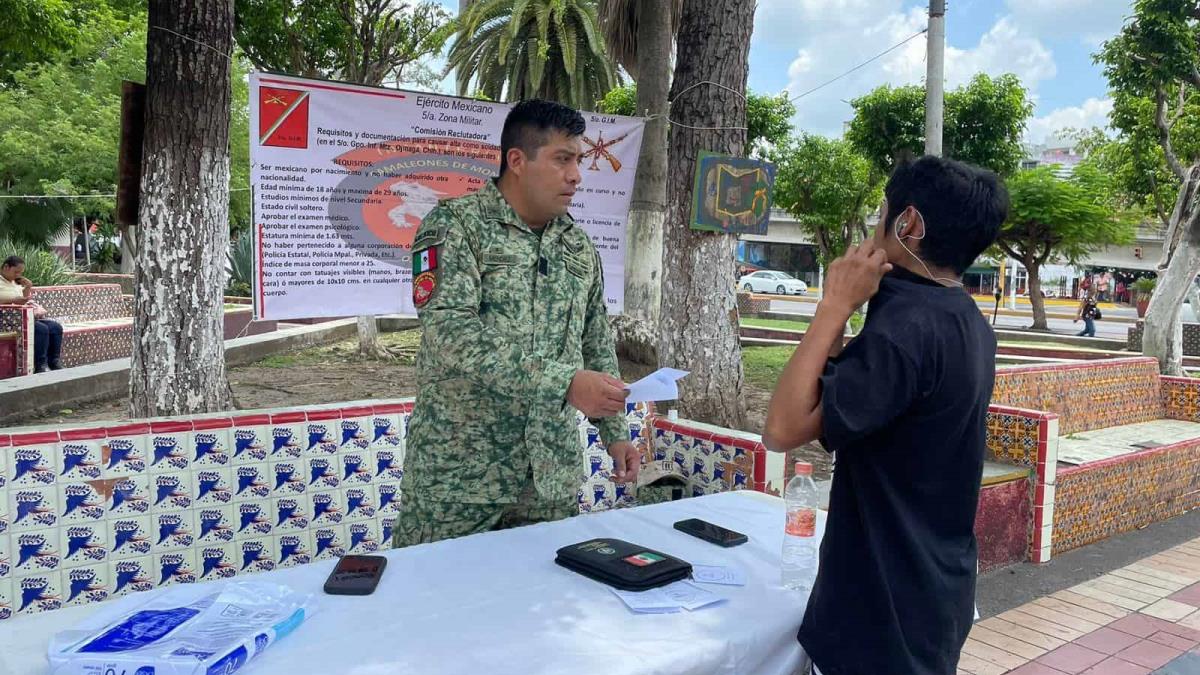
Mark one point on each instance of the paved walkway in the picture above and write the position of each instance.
(1140, 619)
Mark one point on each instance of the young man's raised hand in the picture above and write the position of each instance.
(854, 277)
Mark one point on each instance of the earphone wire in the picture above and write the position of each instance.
(952, 282)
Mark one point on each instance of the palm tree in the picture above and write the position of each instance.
(619, 21)
(518, 49)
(640, 34)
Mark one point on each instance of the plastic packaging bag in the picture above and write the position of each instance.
(188, 630)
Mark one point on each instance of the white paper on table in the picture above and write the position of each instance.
(689, 596)
(653, 601)
(717, 574)
(657, 386)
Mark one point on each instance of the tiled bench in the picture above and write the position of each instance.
(1114, 446)
(1191, 337)
(97, 325)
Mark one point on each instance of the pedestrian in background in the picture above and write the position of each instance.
(1088, 313)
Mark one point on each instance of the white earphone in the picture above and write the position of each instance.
(903, 223)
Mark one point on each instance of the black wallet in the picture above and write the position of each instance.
(623, 565)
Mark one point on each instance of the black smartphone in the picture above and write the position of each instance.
(356, 575)
(711, 533)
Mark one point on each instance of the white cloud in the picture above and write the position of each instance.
(1092, 113)
(1092, 20)
(834, 37)
(1003, 49)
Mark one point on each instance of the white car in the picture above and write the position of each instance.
(768, 281)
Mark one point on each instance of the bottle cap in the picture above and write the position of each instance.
(803, 469)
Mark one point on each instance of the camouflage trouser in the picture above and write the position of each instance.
(424, 520)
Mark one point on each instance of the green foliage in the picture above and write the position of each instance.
(518, 49)
(1156, 49)
(983, 124)
(620, 101)
(241, 266)
(1067, 218)
(367, 42)
(33, 32)
(888, 123)
(60, 126)
(1153, 68)
(300, 38)
(1145, 285)
(986, 121)
(828, 186)
(1136, 166)
(42, 267)
(59, 130)
(239, 148)
(768, 118)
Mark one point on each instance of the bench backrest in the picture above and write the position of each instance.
(1085, 396)
(83, 302)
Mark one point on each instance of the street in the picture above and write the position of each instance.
(1117, 330)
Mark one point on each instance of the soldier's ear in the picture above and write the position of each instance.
(516, 160)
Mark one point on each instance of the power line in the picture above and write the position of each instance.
(878, 56)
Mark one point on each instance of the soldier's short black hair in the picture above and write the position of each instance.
(963, 207)
(527, 124)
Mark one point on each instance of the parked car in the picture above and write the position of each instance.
(771, 281)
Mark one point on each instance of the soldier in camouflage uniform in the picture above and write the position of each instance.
(515, 338)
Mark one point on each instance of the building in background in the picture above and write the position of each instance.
(786, 247)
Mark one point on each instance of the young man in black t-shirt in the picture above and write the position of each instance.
(904, 406)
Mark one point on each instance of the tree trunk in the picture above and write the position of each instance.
(368, 339)
(699, 310)
(1177, 270)
(178, 364)
(128, 248)
(1033, 269)
(647, 211)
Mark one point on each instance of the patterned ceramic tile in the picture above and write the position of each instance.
(1096, 501)
(1086, 396)
(1181, 398)
(181, 500)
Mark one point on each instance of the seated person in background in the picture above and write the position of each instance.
(904, 406)
(47, 334)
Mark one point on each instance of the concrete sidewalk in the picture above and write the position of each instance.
(1137, 619)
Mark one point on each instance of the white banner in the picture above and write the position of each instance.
(343, 174)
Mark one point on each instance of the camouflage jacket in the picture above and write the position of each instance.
(507, 318)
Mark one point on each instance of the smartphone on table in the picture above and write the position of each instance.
(711, 533)
(355, 575)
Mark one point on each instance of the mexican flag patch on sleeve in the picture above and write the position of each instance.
(425, 276)
(425, 261)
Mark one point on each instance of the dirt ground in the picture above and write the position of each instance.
(336, 372)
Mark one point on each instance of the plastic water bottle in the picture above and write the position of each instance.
(799, 561)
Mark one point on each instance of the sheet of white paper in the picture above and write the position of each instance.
(653, 601)
(716, 574)
(657, 386)
(690, 596)
(671, 373)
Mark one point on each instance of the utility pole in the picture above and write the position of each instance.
(935, 76)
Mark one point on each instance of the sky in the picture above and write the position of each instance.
(799, 44)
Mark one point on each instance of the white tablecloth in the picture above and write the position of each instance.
(497, 603)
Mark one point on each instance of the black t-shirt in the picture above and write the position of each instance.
(904, 407)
